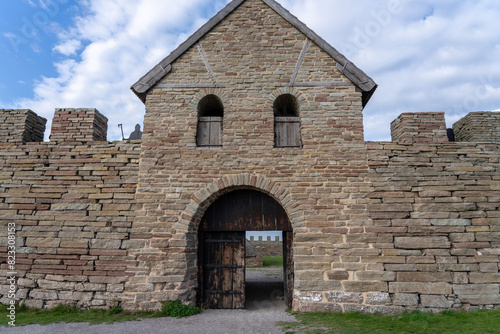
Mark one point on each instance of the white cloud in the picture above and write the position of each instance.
(123, 41)
(68, 47)
(427, 55)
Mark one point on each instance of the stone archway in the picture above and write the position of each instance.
(221, 245)
(185, 232)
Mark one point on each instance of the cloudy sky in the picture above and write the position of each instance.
(425, 55)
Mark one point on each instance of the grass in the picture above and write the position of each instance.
(67, 314)
(273, 261)
(447, 322)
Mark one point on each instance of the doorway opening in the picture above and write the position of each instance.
(264, 273)
(225, 282)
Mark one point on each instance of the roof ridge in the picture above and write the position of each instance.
(346, 67)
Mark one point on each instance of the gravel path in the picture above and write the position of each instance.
(265, 307)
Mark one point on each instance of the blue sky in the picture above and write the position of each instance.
(28, 35)
(426, 55)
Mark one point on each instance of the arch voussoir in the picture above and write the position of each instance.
(203, 198)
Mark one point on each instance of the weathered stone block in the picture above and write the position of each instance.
(387, 310)
(55, 285)
(337, 275)
(43, 242)
(309, 296)
(43, 294)
(105, 243)
(357, 308)
(405, 299)
(34, 303)
(434, 301)
(115, 287)
(384, 276)
(70, 207)
(107, 279)
(460, 278)
(82, 296)
(90, 287)
(489, 267)
(424, 277)
(487, 278)
(424, 288)
(421, 242)
(488, 236)
(308, 307)
(345, 297)
(475, 289)
(22, 282)
(365, 286)
(451, 222)
(74, 243)
(378, 299)
(481, 299)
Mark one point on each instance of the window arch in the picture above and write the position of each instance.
(210, 115)
(286, 121)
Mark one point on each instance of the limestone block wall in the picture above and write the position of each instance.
(425, 127)
(21, 126)
(82, 125)
(268, 246)
(417, 228)
(72, 205)
(438, 208)
(478, 127)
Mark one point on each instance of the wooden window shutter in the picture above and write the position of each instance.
(209, 131)
(287, 131)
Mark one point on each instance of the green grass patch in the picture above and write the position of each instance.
(273, 261)
(67, 314)
(480, 322)
(176, 309)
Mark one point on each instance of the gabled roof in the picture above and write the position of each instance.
(351, 71)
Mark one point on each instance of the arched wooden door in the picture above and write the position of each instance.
(221, 250)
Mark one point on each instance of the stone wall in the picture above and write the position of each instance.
(268, 246)
(436, 213)
(72, 204)
(21, 126)
(253, 257)
(478, 127)
(431, 240)
(425, 127)
(80, 125)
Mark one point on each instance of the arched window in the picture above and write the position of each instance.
(286, 121)
(210, 114)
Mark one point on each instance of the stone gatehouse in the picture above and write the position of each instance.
(254, 123)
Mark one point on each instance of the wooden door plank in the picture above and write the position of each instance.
(239, 279)
(227, 274)
(224, 270)
(245, 210)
